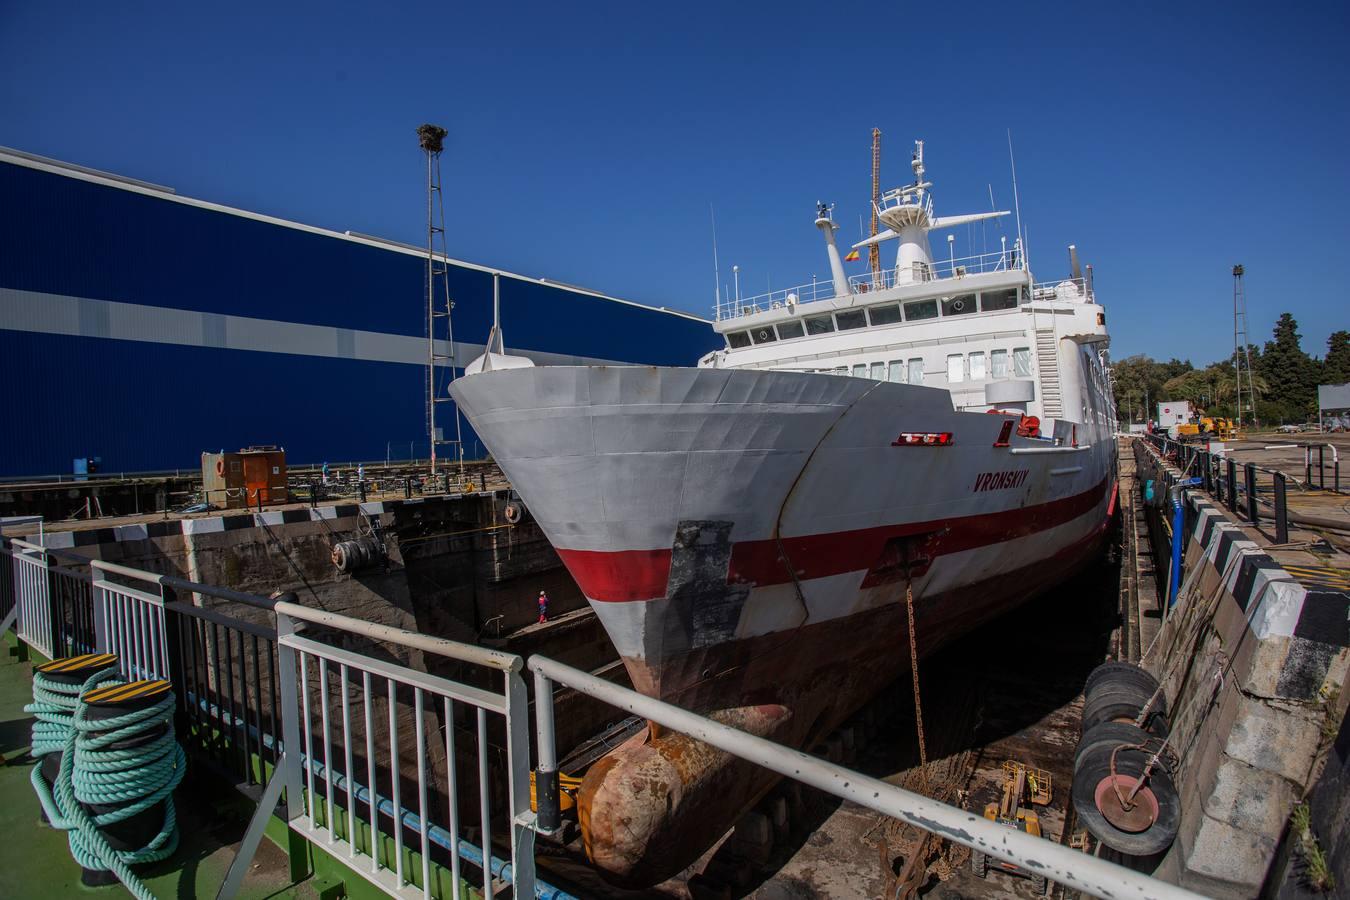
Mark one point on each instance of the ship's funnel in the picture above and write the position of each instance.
(1075, 271)
(827, 226)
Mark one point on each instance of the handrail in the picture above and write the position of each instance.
(126, 571)
(937, 270)
(1071, 868)
(483, 656)
(220, 593)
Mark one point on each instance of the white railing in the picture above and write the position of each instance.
(129, 621)
(32, 597)
(1073, 290)
(335, 700)
(1071, 868)
(340, 694)
(917, 273)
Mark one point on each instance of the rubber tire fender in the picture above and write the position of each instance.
(1114, 702)
(1094, 766)
(1118, 672)
(1114, 734)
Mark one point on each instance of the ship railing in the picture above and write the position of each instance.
(953, 268)
(1072, 868)
(1073, 290)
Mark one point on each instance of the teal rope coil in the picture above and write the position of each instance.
(53, 707)
(132, 779)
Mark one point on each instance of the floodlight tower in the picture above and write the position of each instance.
(1242, 359)
(431, 138)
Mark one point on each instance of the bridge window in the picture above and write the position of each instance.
(763, 335)
(819, 325)
(788, 330)
(977, 371)
(738, 339)
(884, 315)
(916, 371)
(958, 306)
(992, 300)
(1021, 362)
(860, 370)
(897, 370)
(841, 370)
(850, 320)
(998, 364)
(956, 368)
(921, 309)
(878, 371)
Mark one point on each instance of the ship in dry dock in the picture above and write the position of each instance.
(754, 530)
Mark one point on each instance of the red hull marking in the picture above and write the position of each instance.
(623, 575)
(822, 555)
(618, 575)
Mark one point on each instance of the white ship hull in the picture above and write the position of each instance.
(746, 538)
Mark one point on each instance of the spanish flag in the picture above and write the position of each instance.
(852, 257)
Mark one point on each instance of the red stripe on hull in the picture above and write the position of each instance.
(625, 575)
(619, 575)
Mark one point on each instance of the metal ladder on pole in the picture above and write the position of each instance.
(440, 329)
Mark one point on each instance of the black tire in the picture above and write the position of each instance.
(1119, 673)
(1114, 734)
(1093, 767)
(1122, 702)
(979, 864)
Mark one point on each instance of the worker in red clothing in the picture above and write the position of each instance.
(543, 607)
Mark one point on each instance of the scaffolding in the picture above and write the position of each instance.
(439, 329)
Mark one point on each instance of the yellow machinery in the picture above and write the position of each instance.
(1205, 427)
(1023, 788)
(567, 791)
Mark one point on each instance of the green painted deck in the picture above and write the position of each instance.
(35, 860)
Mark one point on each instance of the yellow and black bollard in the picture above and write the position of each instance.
(56, 694)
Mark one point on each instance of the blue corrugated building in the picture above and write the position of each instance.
(143, 327)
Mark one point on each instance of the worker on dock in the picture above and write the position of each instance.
(543, 607)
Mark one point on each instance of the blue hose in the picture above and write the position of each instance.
(1178, 513)
(1178, 523)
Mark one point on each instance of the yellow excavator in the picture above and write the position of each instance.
(1021, 784)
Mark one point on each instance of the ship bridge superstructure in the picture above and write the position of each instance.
(980, 325)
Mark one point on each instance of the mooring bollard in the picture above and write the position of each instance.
(1249, 482)
(56, 694)
(1281, 511)
(125, 753)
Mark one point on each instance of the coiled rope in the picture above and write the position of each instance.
(53, 707)
(93, 771)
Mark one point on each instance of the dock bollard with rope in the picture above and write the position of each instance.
(120, 763)
(56, 695)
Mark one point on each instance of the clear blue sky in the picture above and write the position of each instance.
(587, 140)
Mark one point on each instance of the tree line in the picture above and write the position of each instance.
(1284, 379)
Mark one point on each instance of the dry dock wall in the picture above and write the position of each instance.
(454, 568)
(1254, 665)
